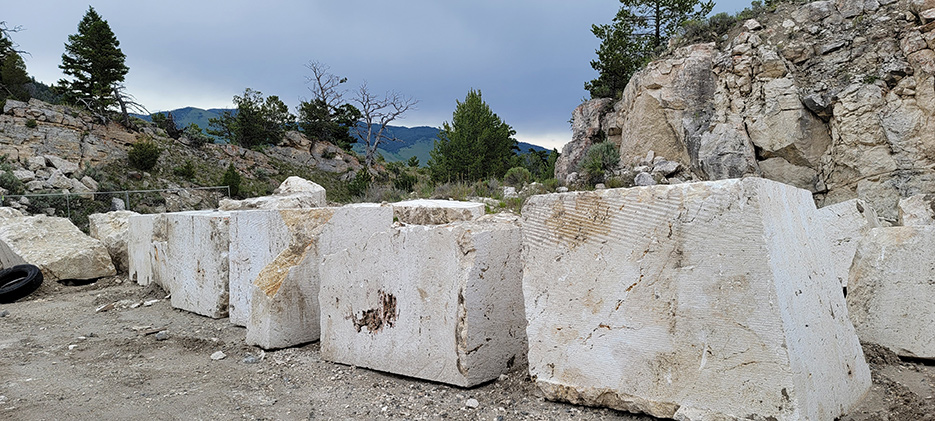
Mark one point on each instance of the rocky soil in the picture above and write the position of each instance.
(114, 350)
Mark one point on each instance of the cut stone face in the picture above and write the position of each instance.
(195, 267)
(890, 292)
(111, 230)
(690, 301)
(442, 303)
(845, 224)
(146, 245)
(436, 212)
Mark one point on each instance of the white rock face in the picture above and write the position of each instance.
(112, 230)
(55, 245)
(146, 247)
(195, 267)
(845, 224)
(436, 212)
(917, 210)
(890, 292)
(441, 302)
(256, 238)
(293, 193)
(702, 301)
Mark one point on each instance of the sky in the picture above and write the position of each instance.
(529, 58)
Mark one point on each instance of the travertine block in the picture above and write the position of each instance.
(195, 269)
(442, 302)
(146, 244)
(890, 292)
(55, 245)
(112, 229)
(293, 193)
(256, 238)
(917, 210)
(436, 212)
(845, 224)
(693, 301)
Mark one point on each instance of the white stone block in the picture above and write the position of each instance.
(845, 224)
(256, 238)
(146, 244)
(436, 212)
(917, 210)
(442, 303)
(111, 229)
(195, 268)
(695, 301)
(890, 292)
(55, 245)
(293, 193)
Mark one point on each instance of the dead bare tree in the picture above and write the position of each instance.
(376, 113)
(324, 84)
(127, 102)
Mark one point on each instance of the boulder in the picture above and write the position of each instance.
(845, 224)
(293, 193)
(436, 212)
(890, 291)
(694, 301)
(62, 165)
(917, 210)
(394, 302)
(55, 245)
(112, 230)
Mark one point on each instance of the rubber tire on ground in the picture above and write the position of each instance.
(19, 281)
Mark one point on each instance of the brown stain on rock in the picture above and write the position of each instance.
(273, 275)
(375, 319)
(590, 217)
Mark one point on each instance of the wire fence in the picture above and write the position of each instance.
(77, 206)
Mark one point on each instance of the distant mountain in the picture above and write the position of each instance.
(413, 141)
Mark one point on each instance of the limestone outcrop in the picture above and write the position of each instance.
(694, 301)
(55, 245)
(832, 97)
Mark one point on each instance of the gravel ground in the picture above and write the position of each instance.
(138, 358)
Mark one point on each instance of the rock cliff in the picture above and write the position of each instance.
(837, 97)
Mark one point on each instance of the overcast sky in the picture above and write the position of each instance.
(530, 58)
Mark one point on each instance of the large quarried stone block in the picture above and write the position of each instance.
(195, 266)
(442, 302)
(112, 229)
(695, 301)
(890, 292)
(55, 245)
(436, 212)
(256, 238)
(146, 245)
(845, 224)
(293, 193)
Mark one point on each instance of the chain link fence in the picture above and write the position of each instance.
(77, 206)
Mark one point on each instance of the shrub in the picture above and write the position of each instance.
(7, 180)
(329, 154)
(231, 179)
(196, 137)
(517, 176)
(600, 158)
(31, 123)
(404, 181)
(413, 161)
(360, 183)
(186, 171)
(144, 154)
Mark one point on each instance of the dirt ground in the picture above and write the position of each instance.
(60, 358)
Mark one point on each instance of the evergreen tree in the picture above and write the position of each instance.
(640, 31)
(258, 122)
(14, 81)
(476, 145)
(328, 124)
(95, 62)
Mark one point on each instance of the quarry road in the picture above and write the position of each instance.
(115, 350)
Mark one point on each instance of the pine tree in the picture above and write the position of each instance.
(639, 32)
(14, 81)
(95, 62)
(477, 144)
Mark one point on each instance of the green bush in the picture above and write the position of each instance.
(517, 176)
(361, 182)
(144, 154)
(404, 181)
(186, 171)
(7, 180)
(196, 137)
(31, 123)
(232, 180)
(600, 158)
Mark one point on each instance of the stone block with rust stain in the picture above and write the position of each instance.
(436, 212)
(891, 290)
(441, 302)
(274, 268)
(694, 301)
(193, 266)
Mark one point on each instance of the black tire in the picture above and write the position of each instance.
(19, 281)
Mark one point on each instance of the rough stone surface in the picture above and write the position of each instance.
(436, 212)
(146, 245)
(442, 302)
(293, 193)
(195, 269)
(890, 291)
(917, 210)
(845, 224)
(112, 230)
(55, 245)
(702, 301)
